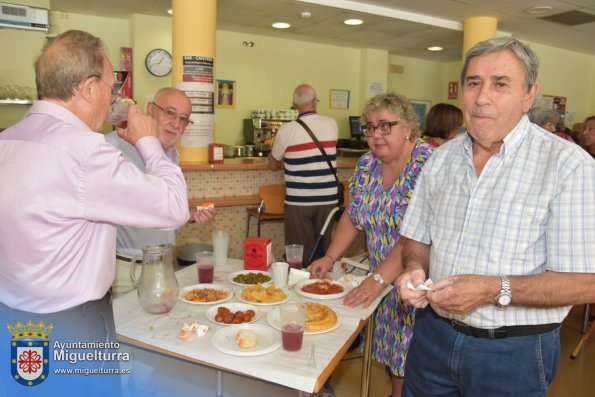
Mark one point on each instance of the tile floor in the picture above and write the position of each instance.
(575, 377)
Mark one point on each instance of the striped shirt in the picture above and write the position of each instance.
(308, 178)
(531, 210)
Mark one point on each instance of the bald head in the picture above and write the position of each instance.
(171, 109)
(304, 98)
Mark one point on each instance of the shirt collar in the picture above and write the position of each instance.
(60, 112)
(511, 142)
(305, 114)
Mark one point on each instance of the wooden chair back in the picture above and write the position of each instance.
(273, 197)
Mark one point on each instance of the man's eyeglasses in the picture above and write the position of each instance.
(384, 127)
(171, 114)
(114, 92)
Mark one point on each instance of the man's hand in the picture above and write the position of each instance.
(415, 276)
(206, 215)
(139, 125)
(463, 293)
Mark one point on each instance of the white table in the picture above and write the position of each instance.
(159, 333)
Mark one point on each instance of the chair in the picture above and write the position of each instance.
(587, 330)
(271, 207)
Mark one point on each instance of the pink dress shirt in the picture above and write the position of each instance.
(64, 190)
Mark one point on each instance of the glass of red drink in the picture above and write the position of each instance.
(118, 112)
(293, 317)
(205, 266)
(294, 254)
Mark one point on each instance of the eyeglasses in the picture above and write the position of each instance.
(114, 92)
(171, 114)
(384, 127)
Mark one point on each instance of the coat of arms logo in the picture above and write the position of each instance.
(29, 352)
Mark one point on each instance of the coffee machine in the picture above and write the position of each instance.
(261, 133)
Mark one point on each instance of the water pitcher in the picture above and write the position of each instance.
(158, 288)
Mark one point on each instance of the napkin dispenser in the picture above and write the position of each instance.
(257, 253)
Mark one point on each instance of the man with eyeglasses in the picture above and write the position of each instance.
(170, 108)
(65, 188)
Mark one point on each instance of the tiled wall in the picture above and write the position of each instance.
(233, 219)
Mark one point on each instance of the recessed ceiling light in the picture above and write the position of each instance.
(170, 11)
(353, 22)
(435, 48)
(539, 10)
(281, 25)
(306, 14)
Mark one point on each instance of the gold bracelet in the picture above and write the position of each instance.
(332, 260)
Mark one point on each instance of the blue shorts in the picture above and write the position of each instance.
(445, 362)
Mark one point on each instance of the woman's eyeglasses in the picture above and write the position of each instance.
(171, 114)
(384, 127)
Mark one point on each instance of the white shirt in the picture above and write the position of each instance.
(531, 210)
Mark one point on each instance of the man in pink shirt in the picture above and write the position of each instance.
(65, 188)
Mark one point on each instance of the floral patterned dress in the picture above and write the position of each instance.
(379, 213)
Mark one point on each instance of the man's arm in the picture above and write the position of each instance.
(273, 163)
(416, 264)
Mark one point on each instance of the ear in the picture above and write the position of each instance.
(87, 89)
(530, 98)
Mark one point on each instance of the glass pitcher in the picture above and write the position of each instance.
(158, 288)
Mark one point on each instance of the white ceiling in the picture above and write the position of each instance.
(403, 27)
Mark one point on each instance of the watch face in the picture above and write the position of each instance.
(158, 62)
(504, 300)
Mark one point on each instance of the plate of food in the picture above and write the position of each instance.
(247, 340)
(321, 289)
(233, 313)
(205, 294)
(319, 319)
(250, 277)
(261, 295)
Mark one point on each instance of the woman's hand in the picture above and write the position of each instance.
(364, 293)
(320, 266)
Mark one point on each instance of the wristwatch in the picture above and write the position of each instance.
(377, 277)
(504, 298)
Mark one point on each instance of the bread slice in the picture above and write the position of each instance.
(246, 339)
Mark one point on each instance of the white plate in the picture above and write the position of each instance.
(287, 297)
(267, 340)
(184, 290)
(233, 307)
(274, 320)
(298, 289)
(234, 275)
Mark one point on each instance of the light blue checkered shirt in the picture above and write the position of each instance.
(531, 210)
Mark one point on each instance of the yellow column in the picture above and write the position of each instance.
(478, 29)
(193, 35)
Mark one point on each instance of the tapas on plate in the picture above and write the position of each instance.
(319, 319)
(247, 340)
(233, 313)
(321, 289)
(261, 295)
(205, 294)
(245, 278)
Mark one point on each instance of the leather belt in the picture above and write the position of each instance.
(502, 332)
(126, 258)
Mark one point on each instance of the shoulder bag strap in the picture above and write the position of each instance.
(319, 145)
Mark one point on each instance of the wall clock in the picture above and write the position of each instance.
(158, 62)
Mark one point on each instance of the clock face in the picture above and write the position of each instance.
(158, 62)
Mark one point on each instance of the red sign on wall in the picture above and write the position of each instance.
(453, 89)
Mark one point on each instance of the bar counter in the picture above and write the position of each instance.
(233, 187)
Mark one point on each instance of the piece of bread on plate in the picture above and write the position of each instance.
(246, 339)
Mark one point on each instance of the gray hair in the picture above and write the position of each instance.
(304, 95)
(542, 115)
(397, 105)
(65, 61)
(527, 58)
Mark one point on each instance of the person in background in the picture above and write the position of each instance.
(443, 123)
(311, 185)
(549, 120)
(69, 188)
(170, 108)
(588, 137)
(501, 221)
(380, 187)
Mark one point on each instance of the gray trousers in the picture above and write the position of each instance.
(303, 224)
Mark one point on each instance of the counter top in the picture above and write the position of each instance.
(249, 163)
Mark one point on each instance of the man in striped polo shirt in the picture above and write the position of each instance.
(311, 185)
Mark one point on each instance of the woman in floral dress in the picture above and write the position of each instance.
(381, 187)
